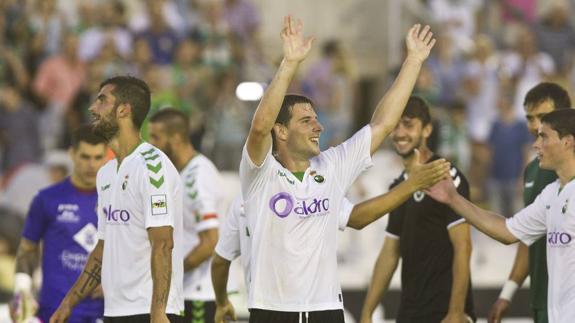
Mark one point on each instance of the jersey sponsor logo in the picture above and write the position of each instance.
(282, 204)
(86, 237)
(558, 239)
(159, 204)
(73, 260)
(116, 216)
(67, 213)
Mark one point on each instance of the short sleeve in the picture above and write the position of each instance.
(203, 194)
(460, 182)
(36, 220)
(395, 223)
(351, 158)
(528, 225)
(344, 214)
(253, 176)
(158, 198)
(101, 217)
(228, 246)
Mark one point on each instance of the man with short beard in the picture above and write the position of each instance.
(139, 217)
(433, 242)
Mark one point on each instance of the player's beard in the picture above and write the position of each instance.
(409, 153)
(107, 127)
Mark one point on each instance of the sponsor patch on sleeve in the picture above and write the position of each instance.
(159, 204)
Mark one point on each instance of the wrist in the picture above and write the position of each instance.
(22, 283)
(293, 63)
(508, 290)
(414, 59)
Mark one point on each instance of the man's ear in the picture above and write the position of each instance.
(280, 132)
(124, 110)
(427, 130)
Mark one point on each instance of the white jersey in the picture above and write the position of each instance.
(234, 240)
(553, 214)
(143, 192)
(202, 198)
(294, 226)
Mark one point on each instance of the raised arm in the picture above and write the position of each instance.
(487, 222)
(385, 266)
(86, 283)
(390, 107)
(295, 50)
(162, 243)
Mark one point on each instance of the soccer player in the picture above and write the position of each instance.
(551, 215)
(433, 242)
(235, 233)
(293, 193)
(63, 218)
(540, 100)
(169, 131)
(138, 256)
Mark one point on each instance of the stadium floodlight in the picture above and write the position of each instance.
(250, 91)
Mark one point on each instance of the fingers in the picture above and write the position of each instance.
(428, 38)
(415, 30)
(424, 32)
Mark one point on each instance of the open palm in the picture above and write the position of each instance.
(443, 191)
(419, 42)
(295, 45)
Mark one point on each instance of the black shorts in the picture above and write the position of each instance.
(265, 316)
(200, 311)
(141, 318)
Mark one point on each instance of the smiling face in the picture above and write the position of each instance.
(409, 134)
(103, 112)
(301, 135)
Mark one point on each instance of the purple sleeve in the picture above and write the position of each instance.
(35, 224)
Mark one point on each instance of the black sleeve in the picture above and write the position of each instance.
(395, 223)
(462, 185)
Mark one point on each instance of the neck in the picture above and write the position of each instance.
(291, 162)
(124, 143)
(424, 155)
(80, 184)
(184, 155)
(566, 172)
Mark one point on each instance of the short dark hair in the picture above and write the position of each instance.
(176, 121)
(85, 133)
(417, 108)
(133, 91)
(547, 91)
(562, 121)
(284, 116)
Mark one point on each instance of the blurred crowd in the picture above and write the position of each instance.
(194, 53)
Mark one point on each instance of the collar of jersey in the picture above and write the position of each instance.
(129, 156)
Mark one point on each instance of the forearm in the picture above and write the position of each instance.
(391, 106)
(161, 262)
(270, 104)
(460, 279)
(520, 268)
(220, 273)
(198, 255)
(88, 280)
(487, 222)
(367, 212)
(26, 261)
(382, 274)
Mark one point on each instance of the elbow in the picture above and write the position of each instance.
(163, 244)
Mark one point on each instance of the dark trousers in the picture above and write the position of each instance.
(265, 316)
(142, 318)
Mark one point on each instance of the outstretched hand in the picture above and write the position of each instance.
(426, 175)
(443, 191)
(295, 45)
(419, 42)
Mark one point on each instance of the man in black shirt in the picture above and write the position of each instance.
(432, 240)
